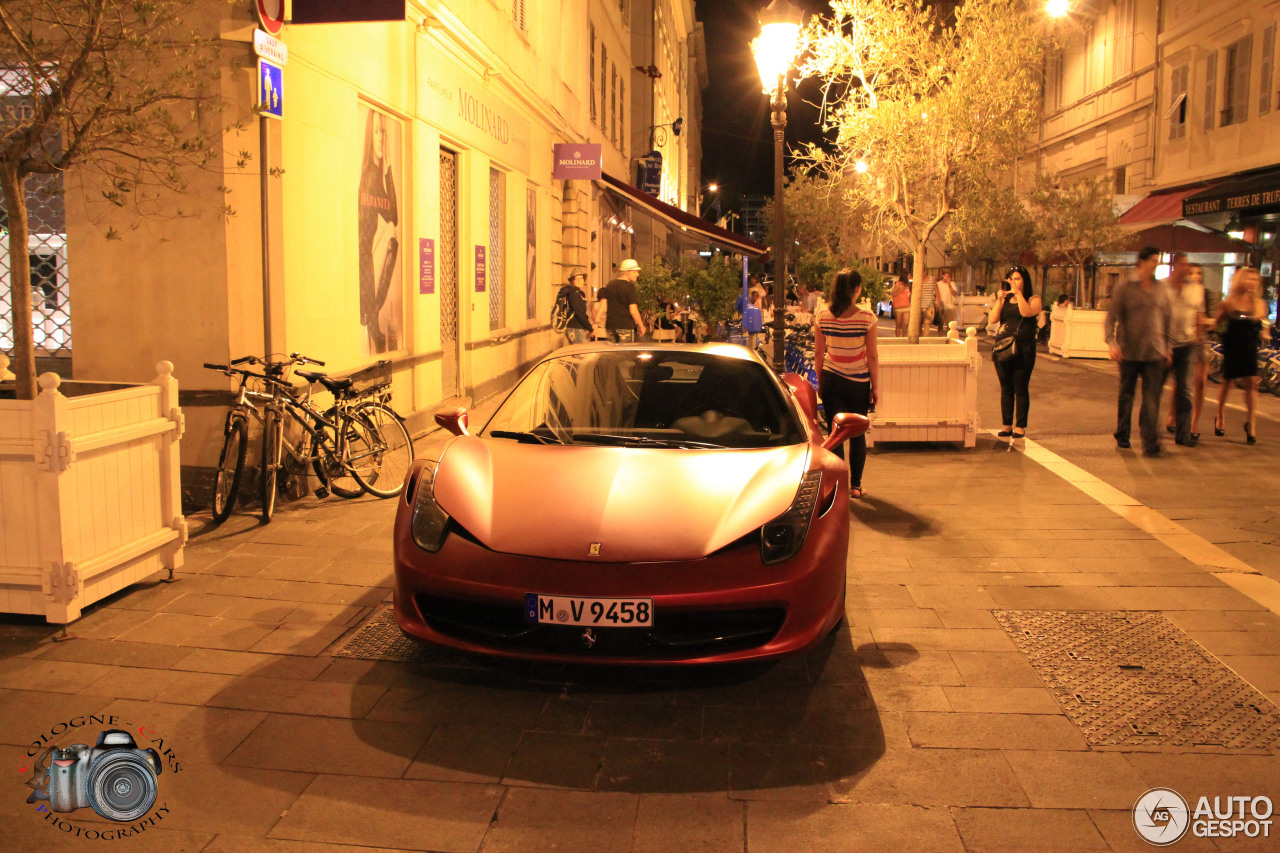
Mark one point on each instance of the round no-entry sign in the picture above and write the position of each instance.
(271, 13)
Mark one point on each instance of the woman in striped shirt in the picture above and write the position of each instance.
(847, 365)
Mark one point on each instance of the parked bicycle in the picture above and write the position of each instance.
(358, 445)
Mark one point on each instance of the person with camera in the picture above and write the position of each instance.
(1013, 316)
(580, 327)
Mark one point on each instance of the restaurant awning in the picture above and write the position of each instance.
(1159, 207)
(1186, 238)
(685, 223)
(1258, 188)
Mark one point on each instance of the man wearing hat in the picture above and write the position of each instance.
(579, 329)
(622, 317)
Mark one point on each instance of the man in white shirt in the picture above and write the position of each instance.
(1186, 302)
(946, 300)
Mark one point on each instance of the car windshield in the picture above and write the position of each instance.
(638, 398)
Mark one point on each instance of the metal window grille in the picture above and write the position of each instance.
(1268, 61)
(1210, 89)
(496, 256)
(448, 272)
(518, 15)
(47, 253)
(1178, 103)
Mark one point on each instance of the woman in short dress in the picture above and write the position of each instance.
(847, 364)
(1242, 321)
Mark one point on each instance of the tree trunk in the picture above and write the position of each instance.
(24, 353)
(917, 290)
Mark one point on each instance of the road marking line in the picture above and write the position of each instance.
(1232, 571)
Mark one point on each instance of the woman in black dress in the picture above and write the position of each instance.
(1013, 315)
(1242, 319)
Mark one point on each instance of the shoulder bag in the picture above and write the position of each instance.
(1006, 348)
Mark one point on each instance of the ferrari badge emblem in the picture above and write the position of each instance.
(594, 550)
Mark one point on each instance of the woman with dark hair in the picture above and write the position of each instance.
(1013, 316)
(378, 234)
(848, 368)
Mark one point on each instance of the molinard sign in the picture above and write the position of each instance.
(468, 109)
(576, 162)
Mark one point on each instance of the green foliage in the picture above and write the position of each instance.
(657, 282)
(875, 284)
(1075, 220)
(713, 285)
(823, 229)
(992, 227)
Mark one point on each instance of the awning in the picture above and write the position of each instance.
(686, 223)
(1256, 189)
(1185, 238)
(1159, 207)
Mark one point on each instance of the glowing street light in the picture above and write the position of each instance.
(860, 167)
(1057, 8)
(774, 51)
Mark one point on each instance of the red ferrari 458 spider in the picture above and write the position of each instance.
(631, 504)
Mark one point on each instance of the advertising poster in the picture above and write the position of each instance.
(381, 288)
(531, 252)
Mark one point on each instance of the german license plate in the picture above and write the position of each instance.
(608, 612)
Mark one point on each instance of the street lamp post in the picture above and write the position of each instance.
(774, 51)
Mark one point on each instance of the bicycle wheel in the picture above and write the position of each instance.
(272, 433)
(382, 471)
(226, 485)
(328, 467)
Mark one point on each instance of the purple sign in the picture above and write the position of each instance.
(577, 162)
(649, 173)
(479, 269)
(426, 265)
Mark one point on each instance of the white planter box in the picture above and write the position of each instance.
(972, 310)
(90, 500)
(928, 391)
(1078, 333)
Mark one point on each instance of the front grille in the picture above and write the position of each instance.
(675, 634)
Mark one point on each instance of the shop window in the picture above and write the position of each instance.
(594, 119)
(1210, 89)
(1178, 103)
(1268, 61)
(1119, 180)
(496, 257)
(1235, 79)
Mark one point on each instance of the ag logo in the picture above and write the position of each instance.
(1161, 816)
(594, 550)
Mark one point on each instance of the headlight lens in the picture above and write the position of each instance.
(430, 523)
(782, 538)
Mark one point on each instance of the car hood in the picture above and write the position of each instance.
(636, 504)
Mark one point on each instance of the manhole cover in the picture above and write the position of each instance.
(1135, 679)
(381, 639)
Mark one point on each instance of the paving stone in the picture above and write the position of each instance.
(326, 745)
(51, 676)
(196, 604)
(646, 766)
(229, 634)
(1116, 827)
(254, 609)
(231, 843)
(992, 731)
(299, 639)
(895, 617)
(441, 703)
(1001, 700)
(334, 614)
(951, 597)
(1262, 671)
(205, 735)
(113, 653)
(1195, 775)
(623, 719)
(976, 565)
(438, 816)
(1262, 643)
(285, 695)
(216, 798)
(250, 663)
(929, 777)
(995, 669)
(107, 623)
(876, 596)
(1076, 780)
(1051, 598)
(909, 666)
(1020, 830)
(553, 760)
(779, 772)
(237, 565)
(971, 639)
(779, 827)
(1230, 620)
(909, 697)
(125, 682)
(170, 629)
(293, 568)
(465, 754)
(695, 824)
(26, 715)
(539, 820)
(967, 619)
(194, 688)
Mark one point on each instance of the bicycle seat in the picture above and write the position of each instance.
(333, 385)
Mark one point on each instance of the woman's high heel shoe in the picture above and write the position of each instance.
(1249, 437)
(1218, 428)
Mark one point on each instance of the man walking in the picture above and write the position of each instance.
(580, 326)
(946, 301)
(1187, 311)
(1137, 332)
(622, 311)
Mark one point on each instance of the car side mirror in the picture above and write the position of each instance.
(455, 420)
(846, 425)
(803, 391)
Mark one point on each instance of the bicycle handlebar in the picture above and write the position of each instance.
(222, 367)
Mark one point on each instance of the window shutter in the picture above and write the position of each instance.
(1240, 85)
(593, 73)
(1210, 89)
(1268, 59)
(1178, 103)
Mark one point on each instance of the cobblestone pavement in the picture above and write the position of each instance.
(922, 725)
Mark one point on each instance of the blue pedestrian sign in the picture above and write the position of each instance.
(270, 89)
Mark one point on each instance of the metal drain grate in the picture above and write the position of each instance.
(1135, 679)
(381, 639)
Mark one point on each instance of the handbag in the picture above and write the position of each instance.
(1006, 349)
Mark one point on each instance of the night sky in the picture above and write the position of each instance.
(737, 140)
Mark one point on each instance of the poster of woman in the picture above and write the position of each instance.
(381, 280)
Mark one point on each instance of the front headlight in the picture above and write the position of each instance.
(782, 538)
(430, 523)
